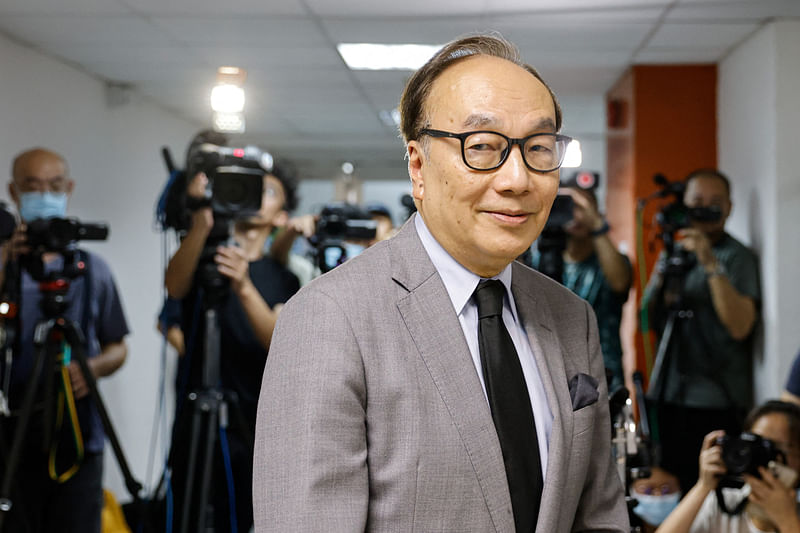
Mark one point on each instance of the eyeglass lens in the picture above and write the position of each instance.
(487, 150)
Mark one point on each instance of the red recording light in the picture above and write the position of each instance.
(238, 152)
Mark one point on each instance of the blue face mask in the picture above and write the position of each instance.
(655, 509)
(33, 205)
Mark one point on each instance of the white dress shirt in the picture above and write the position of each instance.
(460, 284)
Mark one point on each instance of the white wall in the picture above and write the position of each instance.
(759, 125)
(114, 158)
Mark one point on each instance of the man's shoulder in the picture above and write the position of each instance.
(98, 267)
(369, 268)
(734, 248)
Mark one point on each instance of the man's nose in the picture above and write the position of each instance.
(513, 176)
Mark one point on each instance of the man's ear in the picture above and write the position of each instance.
(70, 187)
(12, 192)
(416, 160)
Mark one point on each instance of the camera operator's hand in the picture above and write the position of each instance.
(585, 213)
(697, 242)
(232, 262)
(777, 501)
(16, 245)
(711, 464)
(79, 386)
(202, 218)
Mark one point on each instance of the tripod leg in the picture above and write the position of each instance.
(194, 443)
(204, 521)
(14, 455)
(75, 339)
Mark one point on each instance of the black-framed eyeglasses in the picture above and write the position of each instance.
(488, 150)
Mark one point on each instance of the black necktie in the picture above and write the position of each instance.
(510, 405)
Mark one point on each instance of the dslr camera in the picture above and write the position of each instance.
(745, 453)
(235, 178)
(339, 224)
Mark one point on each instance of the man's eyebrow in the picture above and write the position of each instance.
(477, 120)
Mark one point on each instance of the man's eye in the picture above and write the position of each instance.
(481, 147)
(540, 148)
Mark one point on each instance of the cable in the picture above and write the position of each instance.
(226, 459)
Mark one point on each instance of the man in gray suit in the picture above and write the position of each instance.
(381, 408)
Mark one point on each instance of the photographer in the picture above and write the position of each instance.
(41, 188)
(597, 272)
(699, 511)
(247, 314)
(706, 379)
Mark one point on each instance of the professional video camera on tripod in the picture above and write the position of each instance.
(675, 263)
(235, 197)
(39, 385)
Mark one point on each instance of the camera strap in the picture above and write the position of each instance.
(724, 506)
(66, 401)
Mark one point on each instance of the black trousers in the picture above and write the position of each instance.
(42, 505)
(681, 431)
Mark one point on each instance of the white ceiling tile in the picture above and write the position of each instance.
(243, 30)
(684, 55)
(700, 35)
(734, 10)
(215, 7)
(402, 30)
(70, 7)
(274, 59)
(456, 8)
(45, 30)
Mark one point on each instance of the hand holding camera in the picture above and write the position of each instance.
(712, 466)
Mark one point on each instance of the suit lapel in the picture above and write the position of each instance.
(547, 352)
(432, 323)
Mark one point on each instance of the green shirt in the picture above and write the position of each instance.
(585, 278)
(705, 367)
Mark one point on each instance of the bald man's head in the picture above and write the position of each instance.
(39, 171)
(35, 157)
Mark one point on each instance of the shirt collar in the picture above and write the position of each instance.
(458, 280)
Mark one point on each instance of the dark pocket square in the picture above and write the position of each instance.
(582, 390)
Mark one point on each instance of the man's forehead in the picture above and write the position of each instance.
(39, 166)
(472, 92)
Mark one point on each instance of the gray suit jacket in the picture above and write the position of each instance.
(372, 416)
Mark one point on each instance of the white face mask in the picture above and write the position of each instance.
(654, 509)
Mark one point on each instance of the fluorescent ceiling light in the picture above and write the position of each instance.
(229, 122)
(573, 158)
(390, 118)
(227, 98)
(366, 56)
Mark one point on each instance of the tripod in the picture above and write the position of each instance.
(206, 412)
(49, 333)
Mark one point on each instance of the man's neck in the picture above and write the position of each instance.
(252, 239)
(578, 249)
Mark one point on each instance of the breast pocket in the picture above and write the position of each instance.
(583, 420)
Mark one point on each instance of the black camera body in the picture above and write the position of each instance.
(340, 222)
(235, 178)
(746, 453)
(61, 234)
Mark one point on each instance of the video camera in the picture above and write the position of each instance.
(675, 216)
(339, 224)
(58, 235)
(235, 178)
(553, 240)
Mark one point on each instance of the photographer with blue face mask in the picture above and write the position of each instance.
(72, 499)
